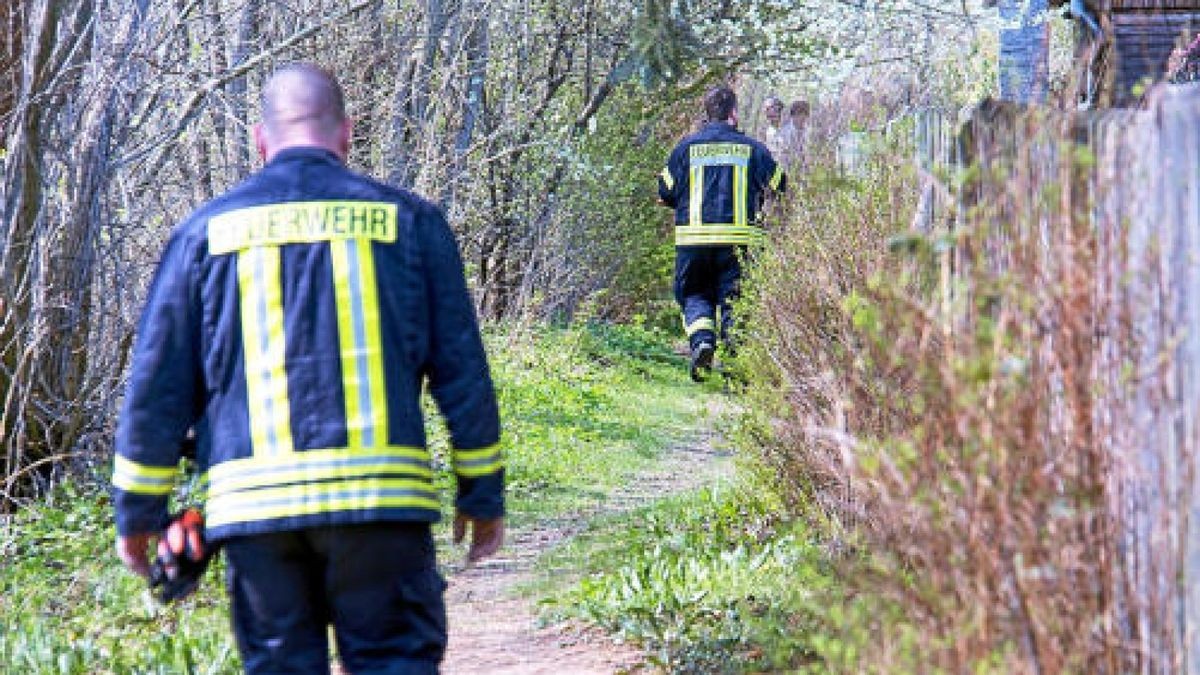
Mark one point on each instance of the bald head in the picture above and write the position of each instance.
(302, 105)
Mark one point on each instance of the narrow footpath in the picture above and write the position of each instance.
(494, 631)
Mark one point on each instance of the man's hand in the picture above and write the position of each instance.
(134, 552)
(486, 535)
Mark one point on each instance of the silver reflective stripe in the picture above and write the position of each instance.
(263, 476)
(264, 347)
(339, 495)
(362, 367)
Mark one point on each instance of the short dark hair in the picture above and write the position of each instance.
(800, 108)
(719, 103)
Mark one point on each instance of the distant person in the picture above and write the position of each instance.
(293, 322)
(795, 134)
(773, 135)
(714, 179)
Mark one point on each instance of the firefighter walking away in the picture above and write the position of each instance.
(293, 323)
(715, 180)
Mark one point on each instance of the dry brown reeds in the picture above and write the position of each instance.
(965, 409)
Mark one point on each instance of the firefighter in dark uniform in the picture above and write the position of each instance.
(715, 180)
(292, 323)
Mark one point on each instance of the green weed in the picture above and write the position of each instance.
(583, 410)
(707, 582)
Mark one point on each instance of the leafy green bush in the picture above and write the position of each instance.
(950, 411)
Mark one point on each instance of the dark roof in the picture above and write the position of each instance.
(1123, 5)
(1144, 40)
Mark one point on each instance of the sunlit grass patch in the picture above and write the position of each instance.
(584, 410)
(707, 582)
(68, 607)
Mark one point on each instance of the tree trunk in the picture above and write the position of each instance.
(247, 33)
(412, 97)
(26, 256)
(475, 26)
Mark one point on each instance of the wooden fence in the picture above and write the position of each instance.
(1134, 175)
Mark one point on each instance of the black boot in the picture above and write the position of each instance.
(702, 360)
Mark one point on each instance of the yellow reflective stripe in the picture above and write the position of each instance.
(359, 338)
(353, 379)
(300, 223)
(740, 196)
(703, 323)
(479, 462)
(777, 178)
(696, 196)
(263, 348)
(131, 476)
(737, 191)
(711, 235)
(313, 498)
(374, 336)
(316, 465)
(667, 179)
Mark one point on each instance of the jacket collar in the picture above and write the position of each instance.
(303, 152)
(719, 126)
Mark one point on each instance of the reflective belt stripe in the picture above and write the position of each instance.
(263, 346)
(667, 179)
(712, 235)
(314, 498)
(316, 465)
(703, 323)
(143, 479)
(777, 178)
(359, 337)
(280, 495)
(696, 196)
(391, 499)
(478, 462)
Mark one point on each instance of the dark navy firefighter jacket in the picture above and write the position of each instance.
(292, 323)
(714, 179)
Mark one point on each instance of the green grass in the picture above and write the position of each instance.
(707, 582)
(584, 409)
(66, 607)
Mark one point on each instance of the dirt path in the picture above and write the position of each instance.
(492, 631)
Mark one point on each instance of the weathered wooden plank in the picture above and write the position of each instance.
(1144, 201)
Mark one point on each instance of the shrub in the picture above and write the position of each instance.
(951, 412)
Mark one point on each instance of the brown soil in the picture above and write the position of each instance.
(495, 631)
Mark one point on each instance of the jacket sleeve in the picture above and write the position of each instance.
(770, 173)
(458, 373)
(670, 180)
(162, 398)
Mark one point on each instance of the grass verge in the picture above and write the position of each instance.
(584, 409)
(707, 582)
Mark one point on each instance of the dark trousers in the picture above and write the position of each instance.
(376, 583)
(707, 278)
